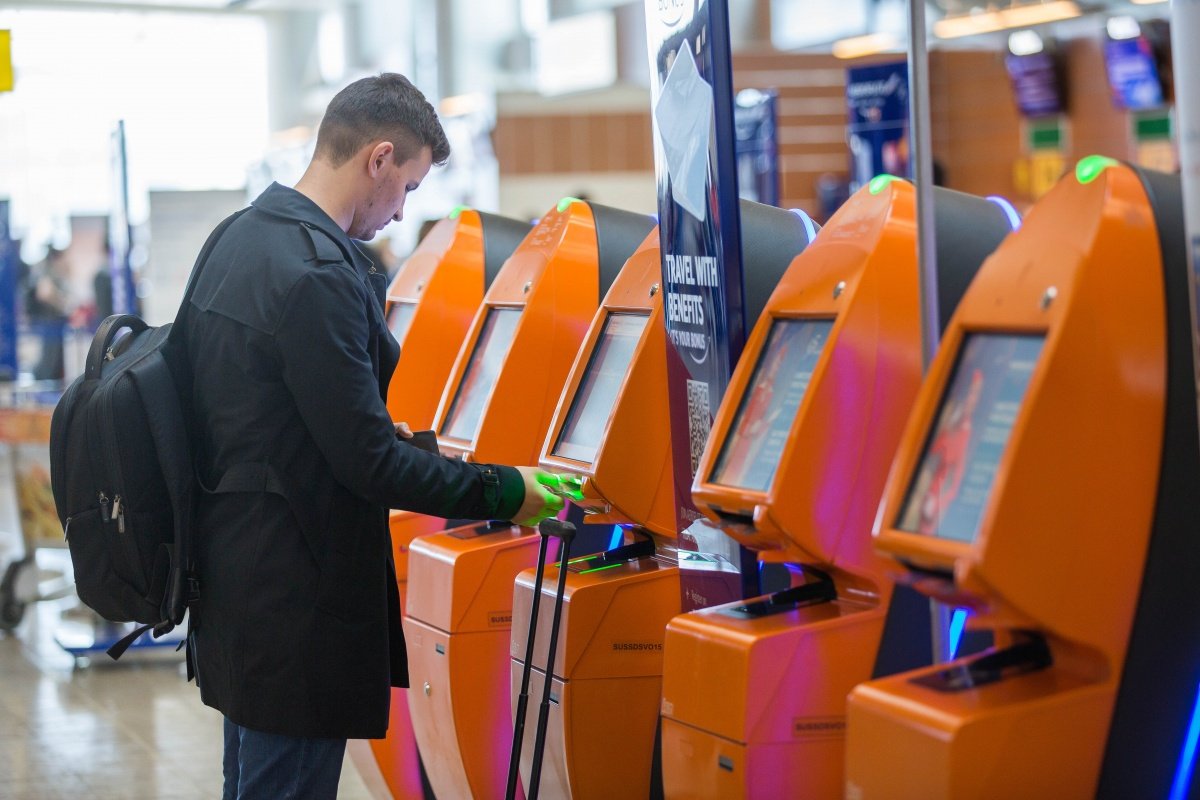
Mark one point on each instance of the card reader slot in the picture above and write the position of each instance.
(814, 592)
(1029, 655)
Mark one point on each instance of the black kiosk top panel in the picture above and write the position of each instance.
(771, 238)
(969, 229)
(618, 234)
(501, 236)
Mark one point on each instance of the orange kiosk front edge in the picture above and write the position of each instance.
(612, 429)
(1025, 489)
(431, 302)
(754, 691)
(496, 408)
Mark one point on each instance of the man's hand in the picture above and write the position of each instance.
(402, 430)
(540, 502)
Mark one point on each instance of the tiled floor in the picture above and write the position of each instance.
(134, 731)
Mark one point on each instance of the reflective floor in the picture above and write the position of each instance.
(72, 728)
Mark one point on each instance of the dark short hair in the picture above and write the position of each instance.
(386, 107)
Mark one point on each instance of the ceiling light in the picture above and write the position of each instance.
(857, 46)
(1025, 43)
(1020, 16)
(1122, 27)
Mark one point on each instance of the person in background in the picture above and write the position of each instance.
(46, 307)
(296, 638)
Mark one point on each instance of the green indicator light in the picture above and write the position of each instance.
(599, 569)
(565, 203)
(879, 182)
(1089, 168)
(456, 212)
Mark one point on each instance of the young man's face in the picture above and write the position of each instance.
(392, 184)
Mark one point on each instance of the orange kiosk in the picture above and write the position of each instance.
(431, 303)
(496, 408)
(611, 429)
(754, 691)
(1025, 488)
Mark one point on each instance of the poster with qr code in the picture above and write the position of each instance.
(695, 165)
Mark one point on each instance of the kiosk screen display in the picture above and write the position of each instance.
(751, 451)
(954, 477)
(593, 402)
(482, 371)
(400, 317)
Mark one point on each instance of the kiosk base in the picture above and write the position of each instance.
(456, 627)
(784, 733)
(1040, 734)
(396, 754)
(605, 695)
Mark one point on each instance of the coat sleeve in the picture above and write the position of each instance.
(323, 336)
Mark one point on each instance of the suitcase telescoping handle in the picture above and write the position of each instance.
(565, 533)
(103, 340)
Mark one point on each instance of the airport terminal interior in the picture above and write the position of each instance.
(858, 340)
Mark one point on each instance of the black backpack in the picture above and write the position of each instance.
(122, 474)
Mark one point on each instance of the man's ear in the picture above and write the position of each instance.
(379, 155)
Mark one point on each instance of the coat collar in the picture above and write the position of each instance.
(285, 202)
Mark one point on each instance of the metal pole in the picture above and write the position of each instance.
(922, 165)
(1185, 21)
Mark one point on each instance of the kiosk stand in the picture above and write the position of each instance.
(431, 302)
(496, 408)
(754, 691)
(1026, 488)
(612, 429)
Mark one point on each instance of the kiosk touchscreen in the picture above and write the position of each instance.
(754, 691)
(496, 408)
(611, 429)
(1026, 487)
(430, 304)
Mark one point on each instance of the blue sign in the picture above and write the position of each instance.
(754, 124)
(692, 112)
(1133, 74)
(9, 260)
(877, 105)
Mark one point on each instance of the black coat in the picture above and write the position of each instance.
(298, 627)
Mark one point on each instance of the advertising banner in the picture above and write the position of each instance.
(696, 171)
(754, 124)
(877, 108)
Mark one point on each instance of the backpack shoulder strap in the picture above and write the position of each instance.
(201, 259)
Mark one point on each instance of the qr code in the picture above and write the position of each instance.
(699, 419)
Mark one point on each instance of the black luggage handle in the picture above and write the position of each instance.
(103, 340)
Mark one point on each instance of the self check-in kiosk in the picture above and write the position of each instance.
(430, 305)
(1026, 488)
(496, 408)
(433, 299)
(754, 691)
(611, 429)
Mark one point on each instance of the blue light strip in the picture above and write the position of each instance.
(1187, 757)
(1010, 211)
(958, 622)
(810, 227)
(617, 536)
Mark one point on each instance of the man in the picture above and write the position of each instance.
(297, 634)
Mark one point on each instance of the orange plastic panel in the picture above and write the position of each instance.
(461, 581)
(553, 278)
(608, 675)
(460, 709)
(1062, 538)
(630, 476)
(770, 689)
(599, 735)
(613, 620)
(443, 279)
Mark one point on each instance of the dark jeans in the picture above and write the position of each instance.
(273, 767)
